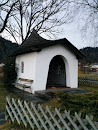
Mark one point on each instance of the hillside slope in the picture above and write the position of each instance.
(7, 46)
(91, 54)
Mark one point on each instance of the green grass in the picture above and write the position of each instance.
(7, 125)
(86, 103)
(3, 94)
(89, 75)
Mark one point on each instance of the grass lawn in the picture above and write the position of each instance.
(3, 94)
(85, 103)
(89, 75)
(69, 103)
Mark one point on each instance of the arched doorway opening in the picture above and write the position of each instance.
(57, 73)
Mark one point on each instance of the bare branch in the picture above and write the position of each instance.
(7, 16)
(4, 3)
(47, 16)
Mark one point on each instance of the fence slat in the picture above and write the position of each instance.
(69, 118)
(90, 122)
(34, 119)
(63, 121)
(19, 112)
(47, 119)
(26, 114)
(80, 121)
(54, 119)
(39, 117)
(15, 114)
(12, 119)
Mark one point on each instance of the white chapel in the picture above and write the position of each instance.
(45, 64)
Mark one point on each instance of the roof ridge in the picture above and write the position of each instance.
(35, 43)
(34, 37)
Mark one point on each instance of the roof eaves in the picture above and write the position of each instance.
(65, 42)
(75, 50)
(25, 51)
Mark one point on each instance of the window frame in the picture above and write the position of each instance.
(22, 67)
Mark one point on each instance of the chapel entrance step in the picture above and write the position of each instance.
(66, 90)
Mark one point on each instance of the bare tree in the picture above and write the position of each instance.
(88, 17)
(4, 3)
(43, 16)
(21, 16)
(8, 7)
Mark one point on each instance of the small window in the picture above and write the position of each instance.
(16, 67)
(22, 67)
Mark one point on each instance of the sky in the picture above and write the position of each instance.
(73, 34)
(69, 31)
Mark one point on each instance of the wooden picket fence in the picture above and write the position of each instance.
(88, 81)
(37, 118)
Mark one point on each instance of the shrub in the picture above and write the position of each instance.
(81, 103)
(9, 72)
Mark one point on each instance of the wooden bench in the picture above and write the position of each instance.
(23, 85)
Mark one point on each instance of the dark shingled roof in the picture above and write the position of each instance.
(37, 43)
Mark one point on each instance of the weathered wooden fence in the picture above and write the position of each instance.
(88, 81)
(38, 118)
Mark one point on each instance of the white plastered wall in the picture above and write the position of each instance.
(29, 60)
(43, 59)
(36, 66)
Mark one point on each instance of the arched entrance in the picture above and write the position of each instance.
(56, 73)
